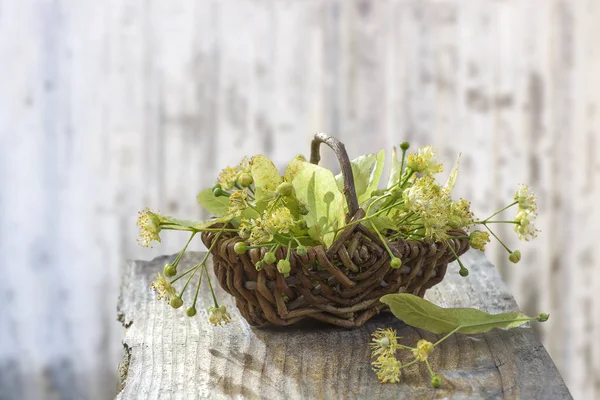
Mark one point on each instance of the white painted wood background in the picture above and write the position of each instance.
(110, 106)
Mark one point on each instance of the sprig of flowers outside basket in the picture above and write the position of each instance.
(306, 207)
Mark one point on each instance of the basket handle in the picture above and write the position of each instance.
(340, 151)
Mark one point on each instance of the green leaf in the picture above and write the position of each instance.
(266, 177)
(423, 314)
(452, 177)
(294, 166)
(373, 178)
(361, 171)
(394, 169)
(316, 188)
(211, 203)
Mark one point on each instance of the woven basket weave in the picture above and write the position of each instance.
(356, 269)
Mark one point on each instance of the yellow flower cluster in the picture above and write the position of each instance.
(526, 198)
(478, 240)
(261, 230)
(387, 369)
(526, 213)
(384, 342)
(424, 161)
(435, 207)
(424, 348)
(218, 315)
(238, 202)
(149, 225)
(229, 176)
(524, 228)
(163, 288)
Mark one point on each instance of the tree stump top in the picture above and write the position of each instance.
(168, 354)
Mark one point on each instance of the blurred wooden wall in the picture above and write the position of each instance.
(110, 106)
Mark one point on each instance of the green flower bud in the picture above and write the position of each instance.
(454, 222)
(395, 263)
(285, 189)
(259, 265)
(515, 256)
(269, 258)
(191, 311)
(216, 186)
(170, 270)
(404, 146)
(176, 302)
(436, 381)
(302, 209)
(284, 267)
(240, 248)
(245, 179)
(463, 272)
(218, 192)
(543, 317)
(396, 193)
(301, 250)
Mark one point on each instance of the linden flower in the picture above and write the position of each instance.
(526, 198)
(228, 177)
(525, 229)
(218, 315)
(424, 348)
(424, 161)
(149, 225)
(279, 220)
(163, 288)
(478, 240)
(433, 205)
(384, 342)
(254, 231)
(238, 202)
(461, 215)
(387, 369)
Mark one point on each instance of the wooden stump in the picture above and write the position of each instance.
(170, 355)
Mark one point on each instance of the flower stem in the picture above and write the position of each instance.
(176, 262)
(429, 368)
(409, 364)
(212, 245)
(497, 238)
(402, 165)
(498, 212)
(495, 222)
(455, 255)
(383, 240)
(198, 287)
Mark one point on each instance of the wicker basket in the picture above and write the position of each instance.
(356, 269)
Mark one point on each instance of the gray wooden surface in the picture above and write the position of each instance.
(170, 355)
(110, 106)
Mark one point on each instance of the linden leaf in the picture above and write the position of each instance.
(394, 169)
(315, 187)
(361, 171)
(294, 166)
(211, 203)
(423, 314)
(373, 178)
(452, 177)
(266, 177)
